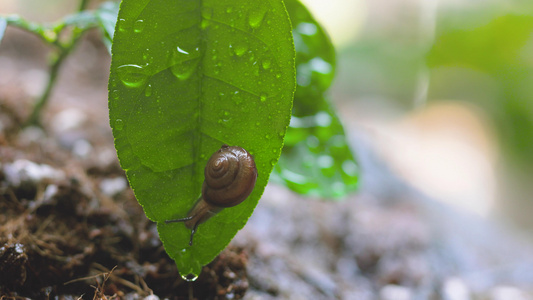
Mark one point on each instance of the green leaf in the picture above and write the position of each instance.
(107, 20)
(186, 77)
(316, 159)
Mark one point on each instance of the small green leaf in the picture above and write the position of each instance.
(186, 77)
(316, 159)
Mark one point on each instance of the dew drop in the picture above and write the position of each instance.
(138, 26)
(255, 17)
(131, 75)
(278, 75)
(266, 64)
(148, 91)
(263, 97)
(119, 124)
(122, 25)
(229, 9)
(189, 277)
(267, 136)
(114, 94)
(180, 50)
(207, 12)
(239, 49)
(237, 98)
(183, 64)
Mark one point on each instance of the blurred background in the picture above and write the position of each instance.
(442, 89)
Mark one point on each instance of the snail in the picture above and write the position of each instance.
(230, 176)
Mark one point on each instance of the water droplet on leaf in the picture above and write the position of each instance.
(183, 64)
(132, 75)
(239, 49)
(119, 124)
(263, 97)
(207, 12)
(121, 25)
(266, 64)
(148, 90)
(255, 17)
(138, 26)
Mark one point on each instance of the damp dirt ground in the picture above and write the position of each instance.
(71, 228)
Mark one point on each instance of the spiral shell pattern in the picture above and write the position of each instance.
(230, 176)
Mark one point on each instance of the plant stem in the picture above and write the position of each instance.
(35, 116)
(83, 5)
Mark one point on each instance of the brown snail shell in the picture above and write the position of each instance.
(230, 176)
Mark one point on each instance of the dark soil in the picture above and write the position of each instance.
(70, 226)
(61, 233)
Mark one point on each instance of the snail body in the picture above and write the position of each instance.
(230, 176)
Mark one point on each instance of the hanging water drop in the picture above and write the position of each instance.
(189, 277)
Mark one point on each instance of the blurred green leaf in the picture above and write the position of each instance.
(107, 20)
(187, 77)
(105, 17)
(3, 26)
(489, 48)
(501, 48)
(316, 159)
